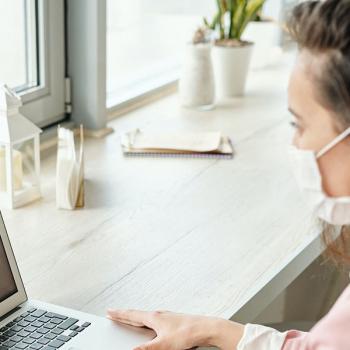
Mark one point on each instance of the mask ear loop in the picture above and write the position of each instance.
(338, 139)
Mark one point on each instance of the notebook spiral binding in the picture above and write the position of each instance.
(178, 155)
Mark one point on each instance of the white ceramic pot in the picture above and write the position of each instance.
(196, 85)
(231, 66)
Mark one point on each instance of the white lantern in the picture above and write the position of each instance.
(19, 153)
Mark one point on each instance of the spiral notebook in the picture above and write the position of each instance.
(176, 144)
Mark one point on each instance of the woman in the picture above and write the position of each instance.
(319, 99)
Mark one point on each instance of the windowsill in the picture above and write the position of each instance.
(141, 96)
(48, 139)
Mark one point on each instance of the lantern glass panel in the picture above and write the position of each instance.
(27, 178)
(3, 169)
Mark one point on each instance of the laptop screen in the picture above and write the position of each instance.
(7, 282)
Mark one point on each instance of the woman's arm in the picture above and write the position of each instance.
(180, 332)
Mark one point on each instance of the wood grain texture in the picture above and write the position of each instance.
(191, 235)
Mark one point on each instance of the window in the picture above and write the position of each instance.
(32, 56)
(18, 51)
(146, 40)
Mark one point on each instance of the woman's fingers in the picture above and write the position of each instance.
(173, 331)
(127, 322)
(130, 317)
(155, 344)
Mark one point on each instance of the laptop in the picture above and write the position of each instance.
(34, 325)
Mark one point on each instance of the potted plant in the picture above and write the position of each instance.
(232, 54)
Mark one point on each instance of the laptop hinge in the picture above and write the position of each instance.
(9, 313)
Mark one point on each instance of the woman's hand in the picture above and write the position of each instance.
(181, 332)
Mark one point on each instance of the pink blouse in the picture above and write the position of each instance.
(331, 333)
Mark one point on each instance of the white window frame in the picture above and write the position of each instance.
(45, 104)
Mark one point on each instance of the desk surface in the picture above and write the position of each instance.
(216, 237)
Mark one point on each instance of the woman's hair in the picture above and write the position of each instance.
(323, 28)
(338, 246)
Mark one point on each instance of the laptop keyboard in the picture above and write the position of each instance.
(40, 330)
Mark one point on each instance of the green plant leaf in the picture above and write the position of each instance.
(241, 12)
(239, 17)
(222, 8)
(251, 10)
(231, 10)
(211, 25)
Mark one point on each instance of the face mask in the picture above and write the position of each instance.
(334, 210)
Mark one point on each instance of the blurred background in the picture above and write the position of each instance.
(146, 40)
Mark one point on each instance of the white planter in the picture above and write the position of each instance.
(231, 66)
(266, 36)
(196, 85)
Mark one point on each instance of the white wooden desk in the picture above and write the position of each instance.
(216, 237)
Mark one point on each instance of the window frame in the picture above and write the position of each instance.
(45, 104)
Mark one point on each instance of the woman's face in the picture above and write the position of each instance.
(316, 126)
